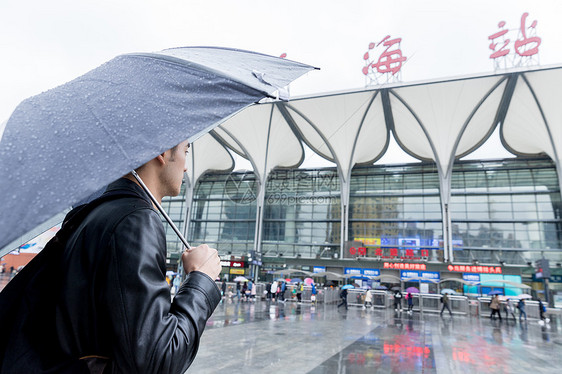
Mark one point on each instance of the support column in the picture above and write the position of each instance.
(344, 220)
(445, 194)
(259, 225)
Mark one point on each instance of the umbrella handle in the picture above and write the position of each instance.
(166, 217)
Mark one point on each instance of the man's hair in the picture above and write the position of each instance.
(173, 149)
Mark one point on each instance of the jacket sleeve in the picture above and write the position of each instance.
(151, 333)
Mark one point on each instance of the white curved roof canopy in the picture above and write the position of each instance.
(440, 121)
(206, 154)
(533, 123)
(262, 135)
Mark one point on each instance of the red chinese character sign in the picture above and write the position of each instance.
(383, 61)
(525, 49)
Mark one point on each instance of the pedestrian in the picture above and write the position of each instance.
(244, 290)
(410, 302)
(112, 310)
(313, 293)
(223, 287)
(282, 290)
(268, 290)
(368, 299)
(343, 296)
(250, 285)
(542, 312)
(253, 293)
(509, 309)
(521, 307)
(176, 282)
(397, 300)
(495, 307)
(445, 302)
(300, 288)
(274, 290)
(238, 288)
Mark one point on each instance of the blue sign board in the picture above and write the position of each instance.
(429, 276)
(352, 271)
(359, 271)
(371, 272)
(406, 274)
(471, 277)
(318, 269)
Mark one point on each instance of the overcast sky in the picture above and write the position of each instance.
(47, 43)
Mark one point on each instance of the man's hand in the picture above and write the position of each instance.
(203, 259)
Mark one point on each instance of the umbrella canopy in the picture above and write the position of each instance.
(347, 286)
(396, 288)
(412, 290)
(381, 288)
(308, 281)
(524, 296)
(240, 279)
(63, 145)
(296, 280)
(280, 279)
(366, 287)
(448, 291)
(495, 292)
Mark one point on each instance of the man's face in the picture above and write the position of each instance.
(174, 168)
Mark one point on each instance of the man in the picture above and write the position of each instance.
(445, 301)
(495, 307)
(521, 307)
(343, 296)
(509, 309)
(398, 300)
(113, 312)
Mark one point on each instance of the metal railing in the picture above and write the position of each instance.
(426, 303)
(432, 303)
(531, 308)
(331, 295)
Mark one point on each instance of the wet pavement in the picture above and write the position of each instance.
(269, 337)
(300, 338)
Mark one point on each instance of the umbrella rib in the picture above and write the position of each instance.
(111, 136)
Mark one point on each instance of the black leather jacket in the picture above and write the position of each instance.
(115, 300)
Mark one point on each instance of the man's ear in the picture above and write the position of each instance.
(160, 158)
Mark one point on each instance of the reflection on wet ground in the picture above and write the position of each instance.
(268, 337)
(293, 338)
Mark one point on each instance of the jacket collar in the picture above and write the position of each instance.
(124, 184)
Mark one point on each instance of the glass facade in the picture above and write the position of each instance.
(223, 212)
(396, 208)
(501, 211)
(507, 210)
(302, 214)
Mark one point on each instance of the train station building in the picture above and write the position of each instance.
(444, 217)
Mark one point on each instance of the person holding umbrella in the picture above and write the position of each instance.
(495, 307)
(113, 307)
(343, 296)
(105, 306)
(410, 302)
